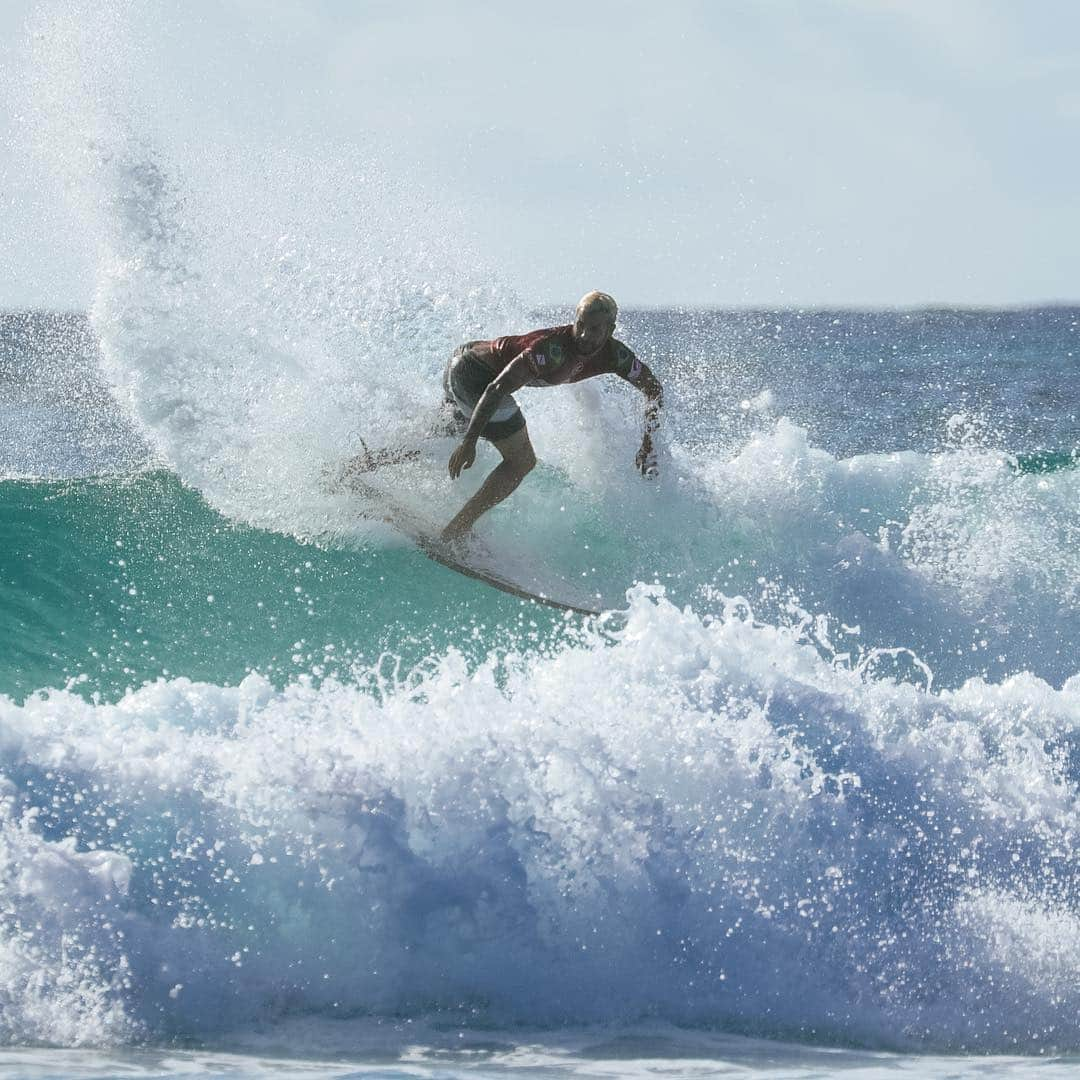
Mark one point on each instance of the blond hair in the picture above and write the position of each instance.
(599, 301)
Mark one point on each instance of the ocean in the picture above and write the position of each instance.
(279, 795)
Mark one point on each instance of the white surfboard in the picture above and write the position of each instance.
(471, 561)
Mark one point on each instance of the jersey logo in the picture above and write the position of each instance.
(540, 361)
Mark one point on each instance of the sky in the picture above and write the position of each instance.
(728, 153)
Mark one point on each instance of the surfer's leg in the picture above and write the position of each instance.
(518, 460)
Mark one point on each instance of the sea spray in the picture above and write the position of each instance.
(703, 821)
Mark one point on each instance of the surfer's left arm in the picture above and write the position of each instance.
(639, 374)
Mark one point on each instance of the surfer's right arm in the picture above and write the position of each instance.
(512, 378)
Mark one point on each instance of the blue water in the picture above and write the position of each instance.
(279, 794)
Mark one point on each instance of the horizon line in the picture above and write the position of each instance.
(748, 309)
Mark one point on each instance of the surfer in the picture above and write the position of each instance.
(482, 376)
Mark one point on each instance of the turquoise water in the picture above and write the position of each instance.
(110, 583)
(1047, 461)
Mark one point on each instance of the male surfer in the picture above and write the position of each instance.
(482, 376)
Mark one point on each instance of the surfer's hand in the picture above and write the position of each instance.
(462, 458)
(646, 460)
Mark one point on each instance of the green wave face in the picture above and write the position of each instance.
(116, 582)
(1047, 461)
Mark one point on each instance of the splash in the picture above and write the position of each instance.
(260, 307)
(701, 821)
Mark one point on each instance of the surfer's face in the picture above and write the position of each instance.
(591, 331)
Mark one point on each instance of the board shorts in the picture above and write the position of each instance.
(464, 380)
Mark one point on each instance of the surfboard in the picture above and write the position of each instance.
(472, 561)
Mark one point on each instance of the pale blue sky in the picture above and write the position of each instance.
(871, 152)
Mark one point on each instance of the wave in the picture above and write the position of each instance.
(702, 821)
(817, 777)
(108, 583)
(955, 561)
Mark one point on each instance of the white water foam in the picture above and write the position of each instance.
(702, 821)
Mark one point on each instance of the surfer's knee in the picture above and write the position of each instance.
(520, 463)
(526, 461)
(522, 459)
(517, 453)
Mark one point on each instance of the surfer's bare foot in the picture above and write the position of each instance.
(455, 535)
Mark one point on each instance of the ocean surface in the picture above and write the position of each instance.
(281, 796)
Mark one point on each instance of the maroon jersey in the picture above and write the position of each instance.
(553, 358)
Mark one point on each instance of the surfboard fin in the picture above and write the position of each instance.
(368, 462)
